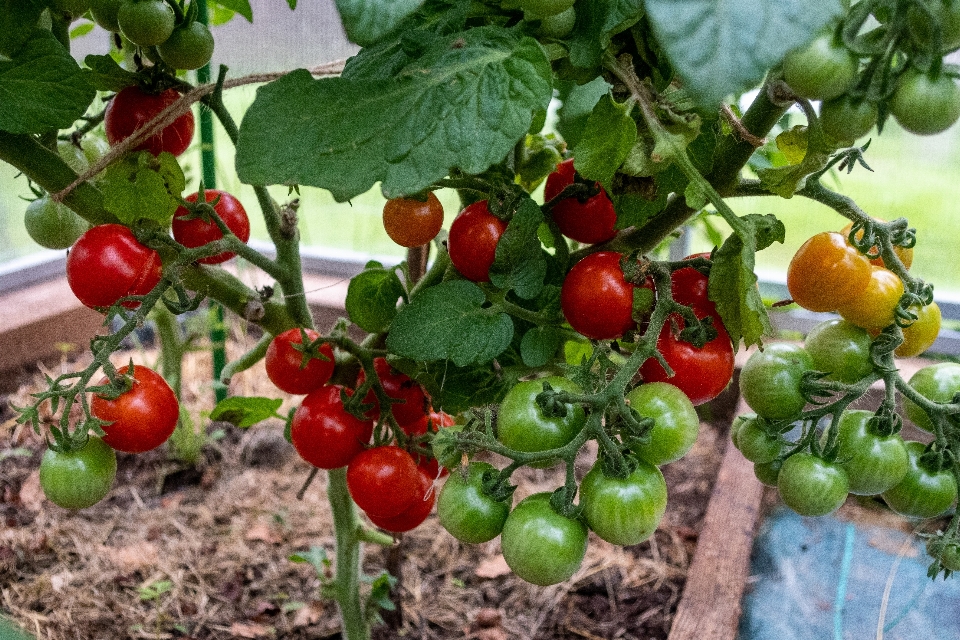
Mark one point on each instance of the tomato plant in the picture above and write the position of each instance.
(141, 418)
(596, 299)
(540, 545)
(675, 421)
(132, 109)
(294, 368)
(410, 222)
(770, 380)
(627, 510)
(473, 240)
(812, 486)
(197, 229)
(466, 511)
(324, 434)
(590, 220)
(107, 264)
(80, 478)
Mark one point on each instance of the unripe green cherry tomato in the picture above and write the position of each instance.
(768, 472)
(756, 444)
(770, 380)
(737, 426)
(822, 70)
(840, 349)
(845, 120)
(873, 463)
(540, 545)
(52, 224)
(466, 511)
(925, 105)
(105, 13)
(675, 421)
(922, 493)
(627, 510)
(812, 486)
(946, 13)
(827, 272)
(522, 425)
(920, 335)
(146, 23)
(938, 382)
(874, 307)
(81, 478)
(560, 25)
(188, 47)
(75, 8)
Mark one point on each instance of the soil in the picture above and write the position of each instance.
(203, 552)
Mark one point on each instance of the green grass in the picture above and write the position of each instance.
(915, 177)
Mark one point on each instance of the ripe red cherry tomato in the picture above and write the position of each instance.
(414, 515)
(131, 109)
(324, 434)
(473, 240)
(689, 287)
(107, 263)
(700, 373)
(285, 366)
(197, 232)
(384, 481)
(433, 422)
(412, 223)
(400, 386)
(141, 418)
(591, 221)
(596, 299)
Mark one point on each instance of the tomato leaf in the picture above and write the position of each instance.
(372, 297)
(367, 21)
(724, 48)
(448, 321)
(239, 6)
(106, 75)
(141, 185)
(244, 412)
(463, 103)
(539, 345)
(733, 283)
(519, 263)
(597, 23)
(455, 389)
(607, 139)
(812, 157)
(578, 104)
(17, 20)
(42, 87)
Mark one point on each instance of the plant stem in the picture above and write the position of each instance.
(346, 526)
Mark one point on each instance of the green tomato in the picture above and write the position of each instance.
(675, 421)
(923, 493)
(466, 511)
(627, 510)
(188, 47)
(146, 23)
(925, 105)
(938, 382)
(768, 472)
(845, 120)
(822, 70)
(559, 25)
(81, 478)
(75, 8)
(533, 9)
(812, 486)
(737, 426)
(540, 545)
(770, 380)
(841, 349)
(52, 224)
(873, 463)
(105, 13)
(757, 445)
(523, 426)
(944, 12)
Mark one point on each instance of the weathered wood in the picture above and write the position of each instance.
(710, 606)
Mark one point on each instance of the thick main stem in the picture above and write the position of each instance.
(346, 526)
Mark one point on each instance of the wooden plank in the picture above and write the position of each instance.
(710, 606)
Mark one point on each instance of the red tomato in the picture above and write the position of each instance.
(414, 515)
(324, 434)
(141, 418)
(700, 373)
(596, 299)
(107, 263)
(436, 420)
(384, 481)
(400, 386)
(590, 221)
(412, 223)
(689, 287)
(473, 240)
(285, 366)
(197, 232)
(132, 109)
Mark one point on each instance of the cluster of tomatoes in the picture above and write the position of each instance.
(828, 273)
(910, 476)
(922, 97)
(141, 418)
